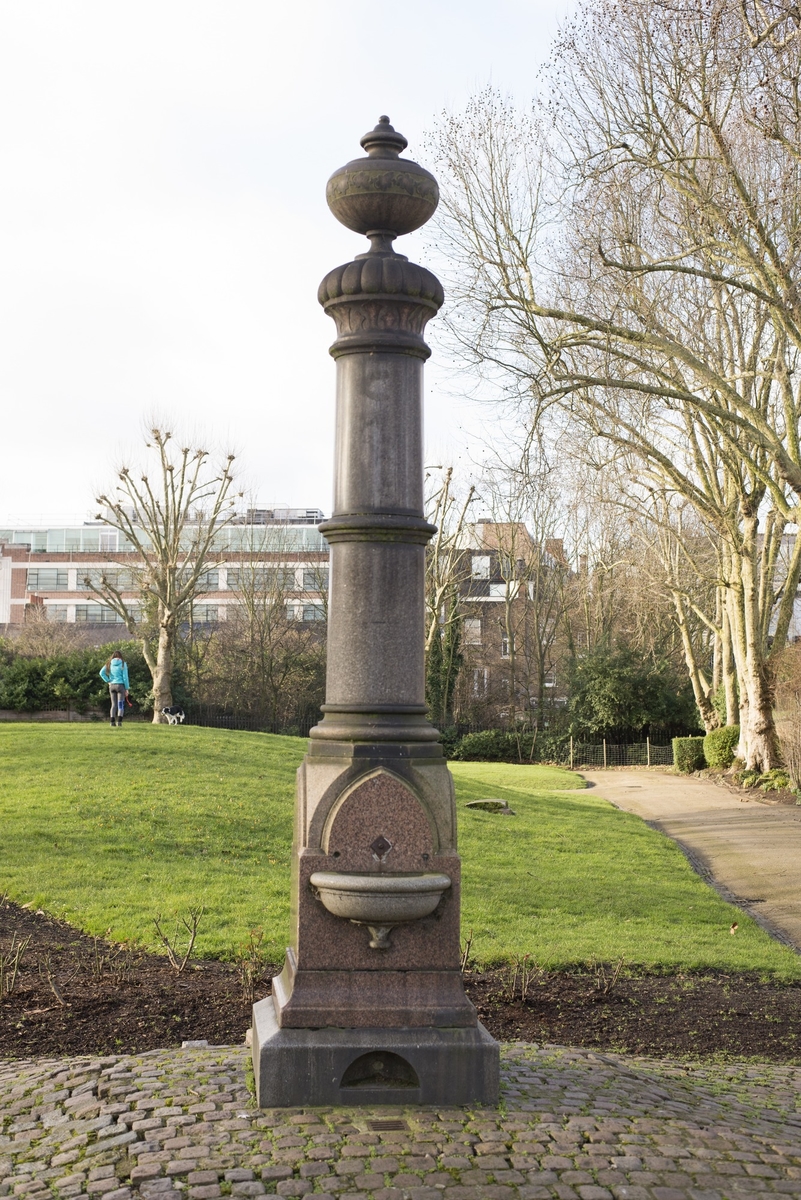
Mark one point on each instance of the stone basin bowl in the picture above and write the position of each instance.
(379, 901)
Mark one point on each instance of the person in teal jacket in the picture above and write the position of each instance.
(115, 674)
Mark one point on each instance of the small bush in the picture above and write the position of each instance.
(449, 739)
(491, 745)
(775, 781)
(688, 754)
(720, 745)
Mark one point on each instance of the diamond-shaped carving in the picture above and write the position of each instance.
(381, 847)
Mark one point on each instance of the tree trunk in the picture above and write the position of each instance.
(705, 707)
(162, 676)
(759, 741)
(729, 673)
(717, 649)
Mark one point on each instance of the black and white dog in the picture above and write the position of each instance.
(174, 714)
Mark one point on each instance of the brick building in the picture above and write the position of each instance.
(514, 601)
(44, 569)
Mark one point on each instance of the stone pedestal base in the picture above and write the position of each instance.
(300, 1067)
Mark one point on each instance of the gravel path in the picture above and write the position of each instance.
(750, 851)
(572, 1125)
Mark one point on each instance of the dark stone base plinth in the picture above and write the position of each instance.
(298, 1067)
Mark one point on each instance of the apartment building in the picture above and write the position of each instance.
(278, 551)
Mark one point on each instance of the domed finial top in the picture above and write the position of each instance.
(383, 141)
(382, 194)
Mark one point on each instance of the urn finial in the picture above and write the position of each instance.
(383, 141)
(382, 193)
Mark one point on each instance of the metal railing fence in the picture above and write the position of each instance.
(573, 754)
(608, 754)
(295, 724)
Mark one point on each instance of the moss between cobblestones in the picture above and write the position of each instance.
(572, 1123)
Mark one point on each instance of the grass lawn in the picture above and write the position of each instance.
(107, 828)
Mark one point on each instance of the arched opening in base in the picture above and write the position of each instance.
(380, 1068)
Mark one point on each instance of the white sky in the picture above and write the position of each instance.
(164, 228)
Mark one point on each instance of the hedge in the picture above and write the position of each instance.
(495, 745)
(720, 746)
(68, 679)
(688, 754)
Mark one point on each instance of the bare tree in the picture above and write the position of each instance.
(523, 636)
(268, 657)
(172, 518)
(673, 554)
(41, 637)
(628, 258)
(447, 567)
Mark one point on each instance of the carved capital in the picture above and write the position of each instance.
(381, 301)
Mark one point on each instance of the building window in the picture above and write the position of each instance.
(472, 631)
(315, 579)
(507, 645)
(261, 579)
(312, 612)
(239, 579)
(117, 578)
(56, 612)
(480, 566)
(209, 581)
(96, 614)
(48, 579)
(281, 579)
(550, 679)
(108, 541)
(480, 681)
(205, 614)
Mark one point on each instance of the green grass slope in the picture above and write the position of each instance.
(570, 878)
(108, 828)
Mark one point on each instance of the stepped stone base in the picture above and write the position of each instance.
(295, 1067)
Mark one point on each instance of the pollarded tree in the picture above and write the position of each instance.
(172, 517)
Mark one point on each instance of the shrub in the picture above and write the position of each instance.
(747, 779)
(688, 754)
(720, 745)
(494, 745)
(775, 780)
(491, 745)
(617, 689)
(31, 684)
(449, 739)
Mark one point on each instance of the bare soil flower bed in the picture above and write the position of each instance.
(75, 994)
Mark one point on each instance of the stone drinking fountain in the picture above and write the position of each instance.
(370, 1006)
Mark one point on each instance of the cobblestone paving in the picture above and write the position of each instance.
(572, 1125)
